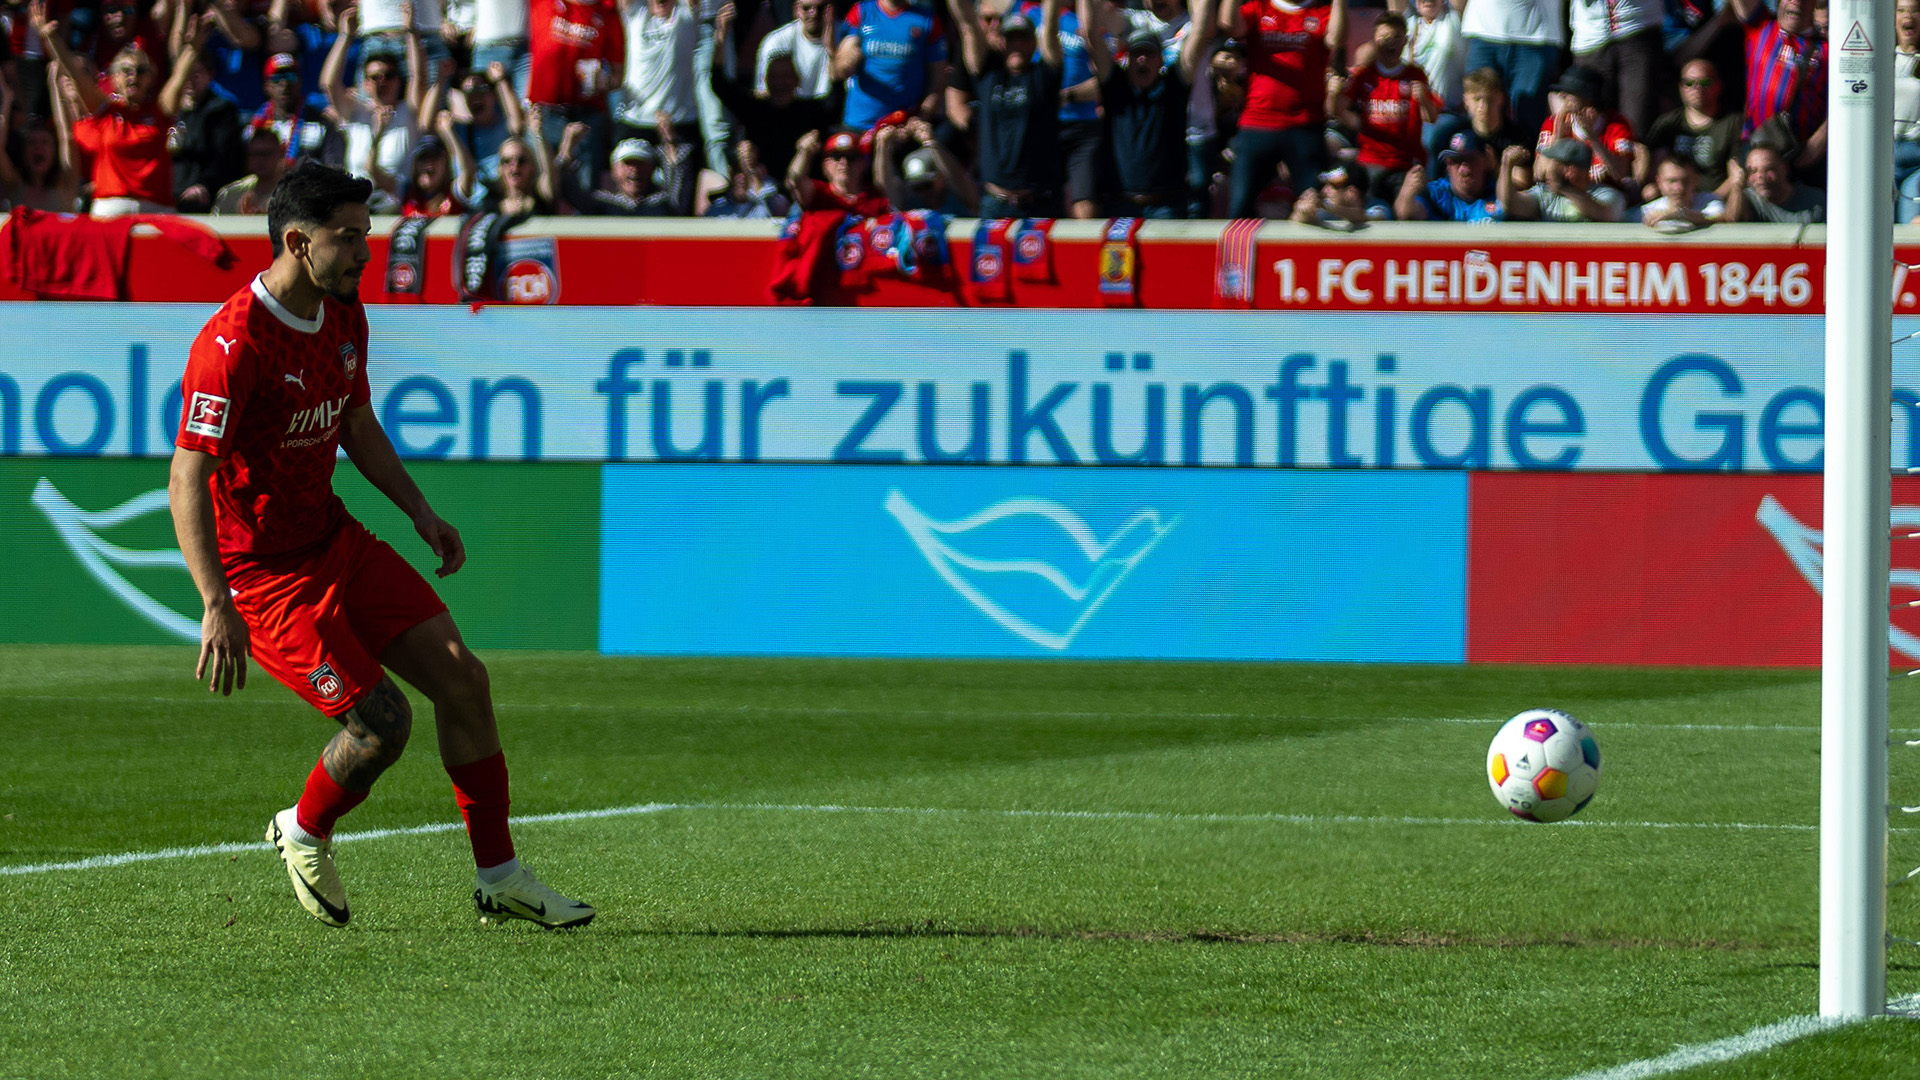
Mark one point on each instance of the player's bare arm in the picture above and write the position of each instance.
(367, 445)
(223, 634)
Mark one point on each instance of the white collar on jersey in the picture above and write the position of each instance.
(305, 326)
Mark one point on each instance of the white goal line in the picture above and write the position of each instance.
(1758, 1040)
(99, 862)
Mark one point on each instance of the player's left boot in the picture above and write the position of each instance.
(522, 896)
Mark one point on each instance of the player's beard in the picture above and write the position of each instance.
(338, 283)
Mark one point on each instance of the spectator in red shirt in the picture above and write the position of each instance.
(577, 48)
(126, 132)
(844, 162)
(1578, 116)
(1386, 103)
(1786, 78)
(1290, 50)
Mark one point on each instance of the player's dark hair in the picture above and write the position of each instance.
(310, 194)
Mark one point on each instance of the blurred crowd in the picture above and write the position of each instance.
(1674, 113)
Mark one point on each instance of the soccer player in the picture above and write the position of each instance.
(275, 382)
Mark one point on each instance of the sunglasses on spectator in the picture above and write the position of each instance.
(842, 155)
(133, 70)
(513, 162)
(381, 75)
(1697, 82)
(808, 7)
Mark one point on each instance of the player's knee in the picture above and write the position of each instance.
(473, 680)
(386, 721)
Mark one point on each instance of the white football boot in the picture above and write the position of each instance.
(522, 896)
(316, 884)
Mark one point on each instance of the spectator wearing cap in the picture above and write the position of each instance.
(1386, 102)
(205, 143)
(1579, 117)
(302, 129)
(806, 40)
(772, 121)
(1145, 103)
(1290, 50)
(1171, 20)
(662, 37)
(917, 173)
(635, 192)
(1696, 130)
(750, 190)
(844, 163)
(1681, 205)
(1786, 77)
(1564, 190)
(1521, 39)
(1340, 202)
(578, 50)
(1473, 189)
(892, 56)
(1767, 192)
(1017, 122)
(125, 132)
(266, 160)
(1436, 44)
(383, 119)
(1623, 41)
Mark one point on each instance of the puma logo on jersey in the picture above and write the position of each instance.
(297, 380)
(226, 344)
(324, 415)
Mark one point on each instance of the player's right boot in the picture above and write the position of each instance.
(316, 884)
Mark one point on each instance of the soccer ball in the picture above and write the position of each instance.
(1544, 765)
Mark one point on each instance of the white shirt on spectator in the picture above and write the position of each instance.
(1705, 203)
(499, 20)
(809, 58)
(1906, 97)
(1556, 207)
(1440, 49)
(383, 16)
(1200, 126)
(396, 143)
(1599, 23)
(660, 65)
(1516, 22)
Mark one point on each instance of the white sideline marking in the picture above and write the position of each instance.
(1736, 1046)
(97, 862)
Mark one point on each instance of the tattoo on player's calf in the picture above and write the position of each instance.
(373, 734)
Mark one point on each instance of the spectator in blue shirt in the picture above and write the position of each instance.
(1473, 190)
(893, 56)
(1081, 133)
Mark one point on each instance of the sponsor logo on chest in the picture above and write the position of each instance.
(317, 418)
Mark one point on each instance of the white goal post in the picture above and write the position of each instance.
(1854, 612)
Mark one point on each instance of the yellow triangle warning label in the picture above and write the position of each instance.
(1856, 41)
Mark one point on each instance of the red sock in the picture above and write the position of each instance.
(324, 802)
(480, 788)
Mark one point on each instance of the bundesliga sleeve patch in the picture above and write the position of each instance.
(207, 415)
(326, 683)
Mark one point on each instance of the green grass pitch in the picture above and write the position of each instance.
(1275, 871)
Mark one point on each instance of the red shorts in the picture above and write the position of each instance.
(319, 622)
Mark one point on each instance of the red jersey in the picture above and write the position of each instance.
(129, 148)
(1391, 114)
(266, 391)
(1615, 134)
(578, 47)
(1286, 64)
(1390, 118)
(866, 202)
